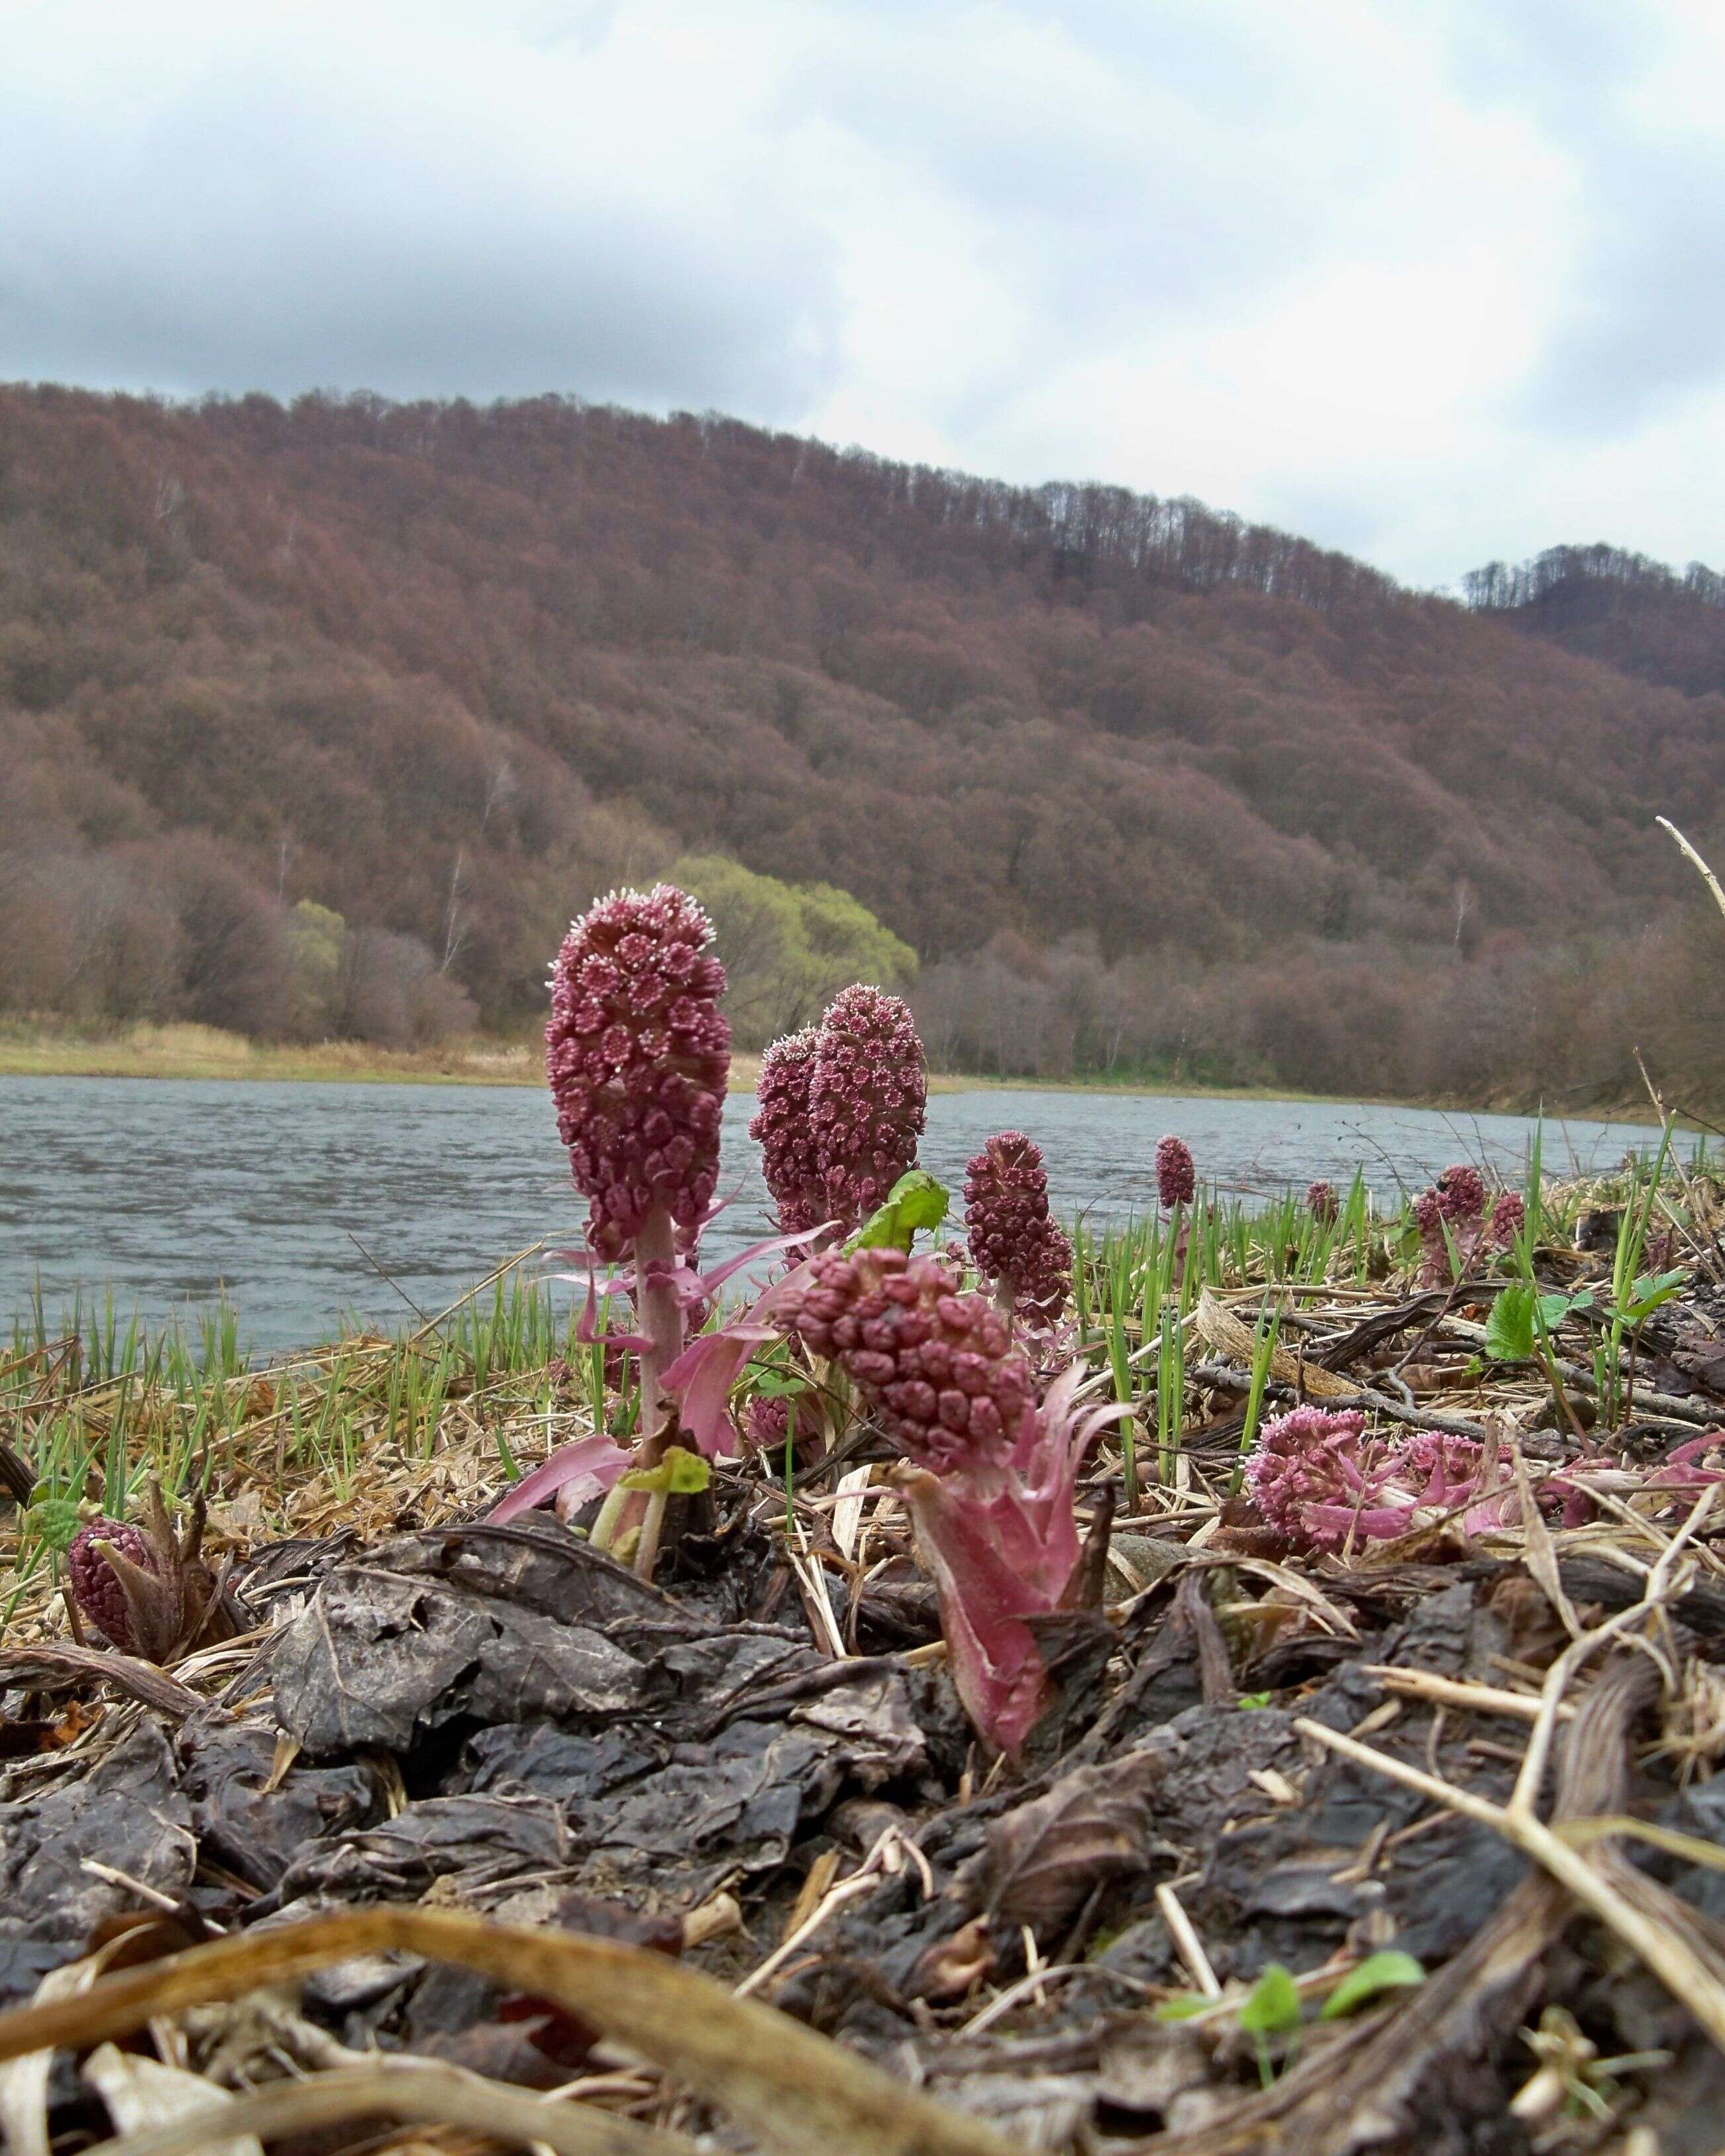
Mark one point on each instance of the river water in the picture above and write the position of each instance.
(295, 1200)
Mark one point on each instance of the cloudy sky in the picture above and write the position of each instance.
(1432, 280)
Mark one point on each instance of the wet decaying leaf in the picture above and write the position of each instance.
(1042, 1861)
(129, 1815)
(381, 1659)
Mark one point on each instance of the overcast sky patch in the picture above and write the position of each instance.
(1435, 280)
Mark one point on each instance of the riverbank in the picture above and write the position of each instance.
(203, 1052)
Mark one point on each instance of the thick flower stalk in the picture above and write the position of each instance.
(867, 1100)
(1014, 1240)
(790, 1160)
(990, 1477)
(1176, 1178)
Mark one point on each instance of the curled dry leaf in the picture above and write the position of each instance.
(1041, 1861)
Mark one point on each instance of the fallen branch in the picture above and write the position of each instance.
(792, 2089)
(404, 2089)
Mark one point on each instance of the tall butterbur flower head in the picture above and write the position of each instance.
(867, 1100)
(991, 1476)
(1321, 1202)
(790, 1160)
(638, 1055)
(1176, 1179)
(1015, 1241)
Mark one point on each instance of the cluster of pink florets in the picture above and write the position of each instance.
(936, 1365)
(1323, 1483)
(95, 1586)
(1321, 1202)
(790, 1160)
(1015, 1241)
(868, 1097)
(1176, 1178)
(638, 1055)
(1453, 1210)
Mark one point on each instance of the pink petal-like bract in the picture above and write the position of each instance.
(1015, 1241)
(868, 1093)
(586, 1468)
(638, 1055)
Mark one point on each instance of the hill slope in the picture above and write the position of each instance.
(446, 671)
(1637, 615)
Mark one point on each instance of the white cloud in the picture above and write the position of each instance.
(1434, 281)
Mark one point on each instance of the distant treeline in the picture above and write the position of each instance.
(328, 716)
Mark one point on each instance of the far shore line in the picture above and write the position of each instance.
(195, 1052)
(201, 1053)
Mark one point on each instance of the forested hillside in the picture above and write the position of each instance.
(325, 717)
(1636, 614)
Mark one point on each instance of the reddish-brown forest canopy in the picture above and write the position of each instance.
(1147, 788)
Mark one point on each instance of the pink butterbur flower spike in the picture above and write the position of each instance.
(1176, 1177)
(1015, 1241)
(790, 1160)
(990, 1477)
(867, 1095)
(638, 1055)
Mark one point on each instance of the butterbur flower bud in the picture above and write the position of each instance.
(95, 1586)
(867, 1100)
(1176, 1179)
(1013, 1240)
(790, 1160)
(638, 1055)
(1509, 1217)
(991, 1477)
(1321, 1202)
(937, 1366)
(767, 1423)
(151, 1593)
